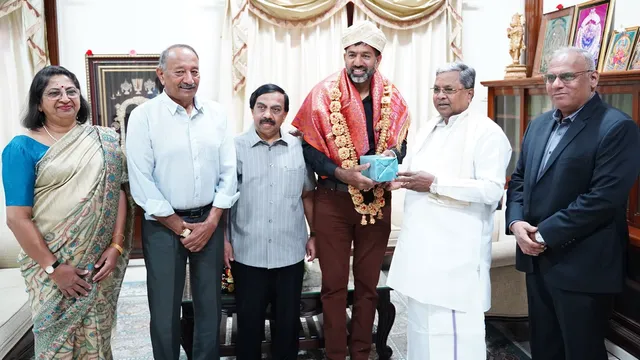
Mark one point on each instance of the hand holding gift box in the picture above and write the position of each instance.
(381, 168)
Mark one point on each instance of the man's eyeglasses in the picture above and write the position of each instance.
(564, 77)
(446, 90)
(275, 110)
(56, 94)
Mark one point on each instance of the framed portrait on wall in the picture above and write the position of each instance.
(592, 26)
(117, 84)
(620, 49)
(634, 62)
(555, 32)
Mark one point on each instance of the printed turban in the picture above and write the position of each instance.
(365, 32)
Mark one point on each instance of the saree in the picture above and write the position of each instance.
(76, 198)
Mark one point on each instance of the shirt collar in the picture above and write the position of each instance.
(557, 115)
(254, 139)
(452, 118)
(173, 106)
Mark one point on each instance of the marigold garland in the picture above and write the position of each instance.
(349, 156)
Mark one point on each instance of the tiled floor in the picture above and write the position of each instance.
(517, 332)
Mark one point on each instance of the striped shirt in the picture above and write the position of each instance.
(267, 223)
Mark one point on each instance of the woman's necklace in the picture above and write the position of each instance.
(51, 136)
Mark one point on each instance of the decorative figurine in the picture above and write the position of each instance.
(515, 33)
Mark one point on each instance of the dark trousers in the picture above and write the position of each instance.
(337, 225)
(165, 258)
(255, 288)
(566, 325)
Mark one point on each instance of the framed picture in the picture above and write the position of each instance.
(117, 84)
(555, 32)
(619, 50)
(592, 26)
(634, 63)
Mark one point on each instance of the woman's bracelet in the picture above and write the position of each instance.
(117, 247)
(113, 239)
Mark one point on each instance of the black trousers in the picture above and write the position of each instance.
(165, 259)
(255, 289)
(566, 325)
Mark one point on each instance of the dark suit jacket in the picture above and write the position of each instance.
(579, 202)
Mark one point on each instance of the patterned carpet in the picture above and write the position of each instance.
(132, 342)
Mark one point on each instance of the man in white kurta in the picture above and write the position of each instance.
(455, 180)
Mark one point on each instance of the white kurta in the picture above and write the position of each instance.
(443, 255)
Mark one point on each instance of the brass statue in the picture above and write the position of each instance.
(515, 33)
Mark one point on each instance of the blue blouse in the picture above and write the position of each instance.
(19, 159)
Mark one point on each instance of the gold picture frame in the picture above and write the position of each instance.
(592, 24)
(116, 84)
(634, 61)
(555, 32)
(620, 49)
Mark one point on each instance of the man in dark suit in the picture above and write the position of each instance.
(566, 206)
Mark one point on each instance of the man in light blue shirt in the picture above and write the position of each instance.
(182, 172)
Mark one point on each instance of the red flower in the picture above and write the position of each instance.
(89, 52)
(559, 7)
(132, 52)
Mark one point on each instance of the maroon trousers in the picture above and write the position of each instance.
(337, 225)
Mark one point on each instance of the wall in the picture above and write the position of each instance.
(118, 26)
(485, 45)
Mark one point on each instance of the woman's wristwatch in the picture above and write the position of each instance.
(51, 268)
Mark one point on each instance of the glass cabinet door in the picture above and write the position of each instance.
(507, 115)
(623, 102)
(537, 105)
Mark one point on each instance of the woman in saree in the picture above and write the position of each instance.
(66, 205)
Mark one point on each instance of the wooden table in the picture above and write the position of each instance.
(310, 335)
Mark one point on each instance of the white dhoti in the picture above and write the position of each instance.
(437, 333)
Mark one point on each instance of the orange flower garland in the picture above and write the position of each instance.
(349, 156)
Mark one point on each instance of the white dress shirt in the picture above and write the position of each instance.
(443, 256)
(180, 161)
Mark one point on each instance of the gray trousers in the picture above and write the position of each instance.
(165, 259)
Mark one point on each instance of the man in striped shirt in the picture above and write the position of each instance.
(267, 235)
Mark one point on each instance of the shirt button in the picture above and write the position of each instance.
(197, 177)
(271, 184)
(270, 220)
(271, 202)
(271, 165)
(269, 240)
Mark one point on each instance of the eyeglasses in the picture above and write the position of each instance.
(275, 110)
(446, 90)
(564, 77)
(56, 94)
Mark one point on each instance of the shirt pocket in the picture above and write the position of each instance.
(293, 181)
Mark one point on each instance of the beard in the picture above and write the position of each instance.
(359, 79)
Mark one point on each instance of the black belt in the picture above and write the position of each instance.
(193, 213)
(333, 185)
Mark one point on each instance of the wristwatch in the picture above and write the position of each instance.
(49, 269)
(185, 233)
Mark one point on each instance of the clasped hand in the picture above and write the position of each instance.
(525, 235)
(200, 235)
(69, 281)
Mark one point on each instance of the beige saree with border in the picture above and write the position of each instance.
(77, 192)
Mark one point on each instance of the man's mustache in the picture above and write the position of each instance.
(187, 86)
(267, 121)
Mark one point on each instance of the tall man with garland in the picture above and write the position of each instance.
(352, 113)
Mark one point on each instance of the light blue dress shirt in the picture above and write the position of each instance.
(180, 161)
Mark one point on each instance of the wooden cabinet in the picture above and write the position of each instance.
(512, 104)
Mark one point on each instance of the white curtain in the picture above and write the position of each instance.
(16, 73)
(410, 60)
(295, 59)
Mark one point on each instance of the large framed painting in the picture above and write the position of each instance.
(117, 84)
(555, 32)
(592, 26)
(634, 63)
(620, 49)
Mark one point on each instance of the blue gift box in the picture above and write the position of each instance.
(382, 168)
